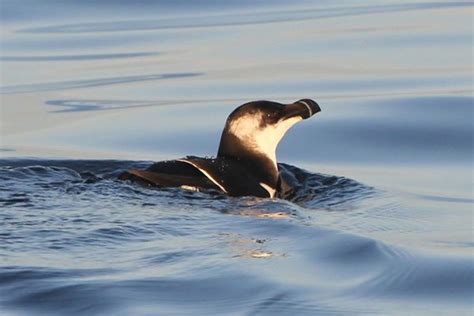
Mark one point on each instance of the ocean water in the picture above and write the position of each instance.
(383, 223)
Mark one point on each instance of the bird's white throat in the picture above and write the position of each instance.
(265, 139)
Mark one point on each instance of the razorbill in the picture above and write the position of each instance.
(246, 162)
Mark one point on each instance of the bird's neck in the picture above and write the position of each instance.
(261, 164)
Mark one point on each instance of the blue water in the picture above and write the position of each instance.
(382, 223)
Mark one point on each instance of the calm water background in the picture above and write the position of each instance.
(383, 225)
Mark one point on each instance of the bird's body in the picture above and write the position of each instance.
(246, 161)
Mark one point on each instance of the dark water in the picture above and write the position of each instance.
(381, 225)
(77, 240)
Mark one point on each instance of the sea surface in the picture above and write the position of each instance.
(383, 222)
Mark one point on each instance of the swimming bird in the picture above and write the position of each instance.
(246, 163)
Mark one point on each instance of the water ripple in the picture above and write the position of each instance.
(146, 247)
(98, 105)
(75, 57)
(77, 84)
(230, 20)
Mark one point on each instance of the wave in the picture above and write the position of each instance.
(71, 232)
(76, 84)
(320, 272)
(75, 57)
(240, 19)
(314, 190)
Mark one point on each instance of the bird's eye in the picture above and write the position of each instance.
(271, 116)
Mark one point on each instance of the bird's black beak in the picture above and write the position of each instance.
(304, 108)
